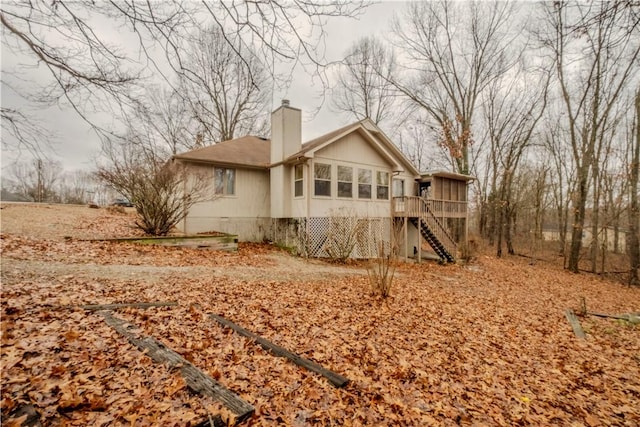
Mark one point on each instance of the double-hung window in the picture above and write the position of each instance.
(345, 181)
(382, 185)
(322, 179)
(298, 181)
(364, 183)
(224, 181)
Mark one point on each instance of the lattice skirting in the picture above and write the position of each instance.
(334, 237)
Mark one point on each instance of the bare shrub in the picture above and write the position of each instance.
(343, 235)
(161, 192)
(381, 269)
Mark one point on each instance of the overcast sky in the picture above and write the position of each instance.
(77, 145)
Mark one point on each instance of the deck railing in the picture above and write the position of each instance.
(414, 207)
(422, 210)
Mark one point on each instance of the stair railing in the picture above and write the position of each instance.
(437, 228)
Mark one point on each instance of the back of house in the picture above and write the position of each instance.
(340, 191)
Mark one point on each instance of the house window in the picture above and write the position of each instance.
(364, 183)
(298, 181)
(225, 181)
(322, 178)
(398, 188)
(382, 185)
(345, 181)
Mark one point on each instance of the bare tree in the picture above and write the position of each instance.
(595, 61)
(454, 50)
(416, 139)
(20, 131)
(562, 173)
(512, 109)
(166, 115)
(226, 87)
(162, 193)
(85, 70)
(634, 208)
(36, 180)
(364, 86)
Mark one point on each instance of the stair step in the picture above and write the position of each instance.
(432, 239)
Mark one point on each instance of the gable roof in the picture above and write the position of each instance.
(249, 151)
(255, 152)
(370, 131)
(323, 139)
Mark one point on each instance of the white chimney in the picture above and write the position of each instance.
(286, 139)
(286, 131)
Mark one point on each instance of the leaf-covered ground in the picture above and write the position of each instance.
(484, 344)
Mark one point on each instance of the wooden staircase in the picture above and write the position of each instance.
(435, 233)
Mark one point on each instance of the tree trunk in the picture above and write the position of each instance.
(493, 219)
(604, 251)
(578, 218)
(562, 227)
(511, 226)
(499, 231)
(634, 211)
(595, 219)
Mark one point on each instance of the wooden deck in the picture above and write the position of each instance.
(413, 207)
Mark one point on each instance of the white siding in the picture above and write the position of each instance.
(245, 213)
(353, 148)
(355, 152)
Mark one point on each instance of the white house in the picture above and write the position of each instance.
(309, 195)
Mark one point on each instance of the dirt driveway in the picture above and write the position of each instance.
(62, 231)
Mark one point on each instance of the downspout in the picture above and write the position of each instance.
(308, 200)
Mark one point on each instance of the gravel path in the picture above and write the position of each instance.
(60, 222)
(286, 269)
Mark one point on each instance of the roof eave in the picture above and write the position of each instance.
(292, 160)
(222, 163)
(447, 174)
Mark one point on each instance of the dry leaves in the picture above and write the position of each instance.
(486, 345)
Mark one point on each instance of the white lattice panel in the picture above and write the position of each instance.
(322, 236)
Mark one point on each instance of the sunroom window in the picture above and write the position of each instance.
(322, 179)
(364, 183)
(382, 185)
(345, 181)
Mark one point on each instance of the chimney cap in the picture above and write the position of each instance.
(285, 102)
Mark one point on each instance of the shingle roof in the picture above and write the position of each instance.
(255, 152)
(251, 151)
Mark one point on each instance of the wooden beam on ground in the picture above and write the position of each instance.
(336, 379)
(607, 316)
(575, 324)
(629, 317)
(215, 421)
(197, 380)
(95, 307)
